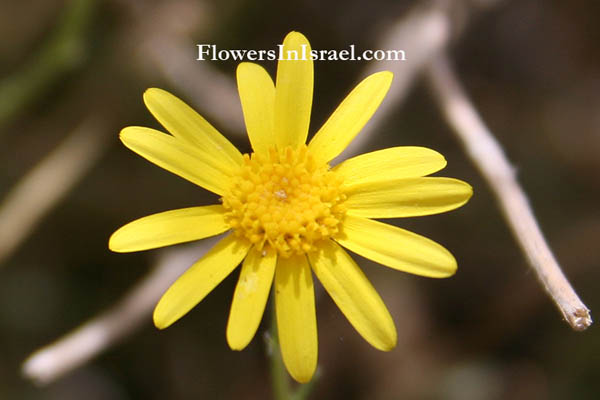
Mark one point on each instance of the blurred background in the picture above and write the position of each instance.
(72, 74)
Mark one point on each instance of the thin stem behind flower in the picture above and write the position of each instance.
(280, 380)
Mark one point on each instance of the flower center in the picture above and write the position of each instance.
(284, 200)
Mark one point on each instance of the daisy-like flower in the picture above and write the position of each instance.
(287, 212)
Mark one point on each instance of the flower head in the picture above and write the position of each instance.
(287, 212)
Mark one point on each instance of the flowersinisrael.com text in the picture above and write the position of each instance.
(212, 53)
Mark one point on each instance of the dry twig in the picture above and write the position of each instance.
(210, 91)
(48, 182)
(489, 158)
(422, 34)
(95, 336)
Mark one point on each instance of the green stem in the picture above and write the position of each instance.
(280, 380)
(279, 377)
(64, 51)
(306, 389)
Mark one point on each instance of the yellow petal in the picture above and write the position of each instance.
(257, 94)
(407, 197)
(186, 124)
(396, 248)
(250, 297)
(293, 91)
(176, 156)
(296, 318)
(170, 227)
(390, 163)
(354, 295)
(199, 280)
(350, 116)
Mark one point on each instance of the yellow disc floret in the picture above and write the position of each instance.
(284, 200)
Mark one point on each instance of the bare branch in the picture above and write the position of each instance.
(422, 34)
(167, 45)
(489, 158)
(48, 182)
(82, 344)
(211, 91)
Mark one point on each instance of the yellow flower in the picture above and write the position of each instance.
(287, 212)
